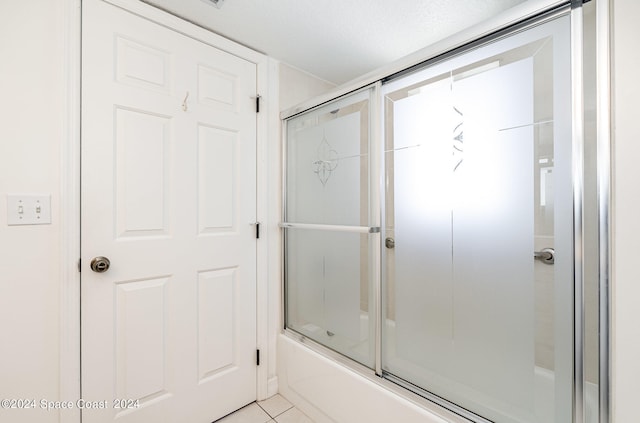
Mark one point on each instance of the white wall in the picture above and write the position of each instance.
(297, 86)
(31, 117)
(626, 211)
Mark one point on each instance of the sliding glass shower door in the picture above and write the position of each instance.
(330, 232)
(478, 229)
(433, 228)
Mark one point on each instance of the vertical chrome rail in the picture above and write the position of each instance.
(376, 148)
(577, 112)
(603, 72)
(283, 232)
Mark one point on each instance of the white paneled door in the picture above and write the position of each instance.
(169, 198)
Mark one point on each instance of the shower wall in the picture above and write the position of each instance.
(625, 210)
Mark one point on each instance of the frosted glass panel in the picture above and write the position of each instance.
(327, 164)
(328, 279)
(474, 149)
(326, 273)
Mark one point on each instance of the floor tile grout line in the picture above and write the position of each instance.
(279, 414)
(271, 419)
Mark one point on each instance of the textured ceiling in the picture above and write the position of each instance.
(336, 40)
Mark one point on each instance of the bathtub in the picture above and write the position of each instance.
(327, 390)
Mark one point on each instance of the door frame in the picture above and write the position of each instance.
(266, 130)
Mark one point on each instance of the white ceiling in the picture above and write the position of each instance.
(336, 40)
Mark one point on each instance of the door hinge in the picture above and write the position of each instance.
(257, 357)
(80, 265)
(257, 230)
(258, 97)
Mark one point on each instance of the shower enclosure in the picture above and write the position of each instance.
(438, 228)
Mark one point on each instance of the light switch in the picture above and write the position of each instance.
(28, 209)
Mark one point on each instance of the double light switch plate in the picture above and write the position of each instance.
(28, 209)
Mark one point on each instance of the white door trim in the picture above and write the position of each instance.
(70, 213)
(70, 189)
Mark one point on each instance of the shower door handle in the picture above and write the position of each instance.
(390, 243)
(546, 255)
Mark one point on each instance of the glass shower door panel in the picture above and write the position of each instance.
(325, 274)
(493, 235)
(464, 232)
(422, 229)
(327, 164)
(470, 154)
(327, 214)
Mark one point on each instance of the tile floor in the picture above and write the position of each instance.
(273, 410)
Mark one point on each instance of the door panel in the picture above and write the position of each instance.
(169, 196)
(140, 338)
(142, 192)
(216, 334)
(466, 143)
(217, 179)
(329, 272)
